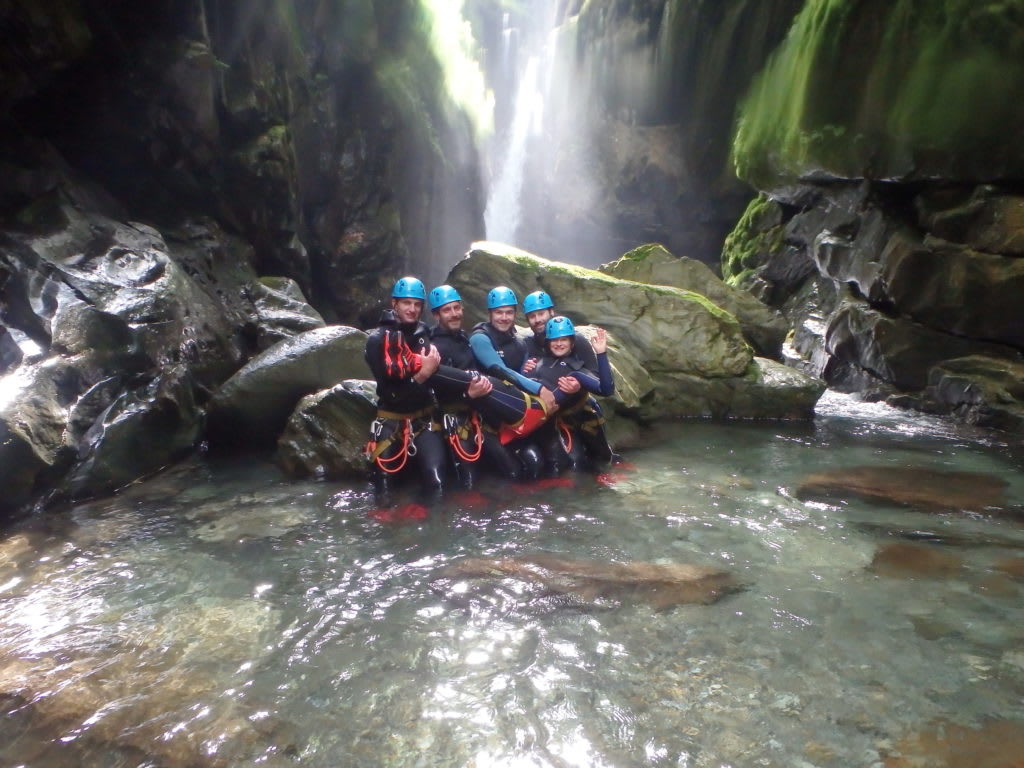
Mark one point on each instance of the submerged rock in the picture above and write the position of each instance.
(659, 585)
(998, 744)
(128, 690)
(930, 490)
(903, 559)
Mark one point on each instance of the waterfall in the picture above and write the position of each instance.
(526, 57)
(501, 216)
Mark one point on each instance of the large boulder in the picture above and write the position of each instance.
(281, 310)
(666, 328)
(675, 353)
(251, 408)
(764, 327)
(326, 434)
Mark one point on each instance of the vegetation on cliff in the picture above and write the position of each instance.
(888, 90)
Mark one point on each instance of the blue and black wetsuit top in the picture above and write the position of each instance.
(550, 369)
(387, 353)
(501, 354)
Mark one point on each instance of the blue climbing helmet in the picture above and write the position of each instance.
(409, 288)
(501, 296)
(443, 294)
(559, 327)
(537, 300)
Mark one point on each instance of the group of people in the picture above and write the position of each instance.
(452, 402)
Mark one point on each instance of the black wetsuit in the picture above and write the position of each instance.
(455, 351)
(403, 403)
(586, 418)
(581, 416)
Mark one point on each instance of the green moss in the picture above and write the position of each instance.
(888, 88)
(644, 252)
(756, 236)
(539, 265)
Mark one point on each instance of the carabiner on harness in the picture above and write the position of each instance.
(473, 433)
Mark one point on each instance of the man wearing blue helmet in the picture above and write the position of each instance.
(402, 360)
(468, 439)
(498, 347)
(539, 308)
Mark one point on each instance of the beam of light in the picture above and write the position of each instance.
(456, 50)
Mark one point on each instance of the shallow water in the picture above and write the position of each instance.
(220, 615)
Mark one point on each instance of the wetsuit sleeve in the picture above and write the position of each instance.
(585, 352)
(603, 384)
(488, 358)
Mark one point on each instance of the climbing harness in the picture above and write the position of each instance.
(404, 434)
(469, 430)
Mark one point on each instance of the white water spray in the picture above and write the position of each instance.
(501, 216)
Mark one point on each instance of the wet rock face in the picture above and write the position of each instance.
(890, 290)
(326, 434)
(120, 335)
(115, 336)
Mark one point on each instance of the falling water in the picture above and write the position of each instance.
(501, 216)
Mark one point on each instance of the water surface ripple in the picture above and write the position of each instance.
(219, 615)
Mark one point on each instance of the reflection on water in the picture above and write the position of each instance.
(221, 616)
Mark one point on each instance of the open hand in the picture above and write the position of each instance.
(600, 341)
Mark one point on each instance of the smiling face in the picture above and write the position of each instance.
(449, 316)
(407, 311)
(538, 319)
(503, 318)
(560, 347)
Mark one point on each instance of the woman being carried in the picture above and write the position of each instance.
(576, 432)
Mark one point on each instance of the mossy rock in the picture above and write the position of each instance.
(653, 264)
(666, 328)
(752, 243)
